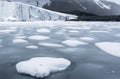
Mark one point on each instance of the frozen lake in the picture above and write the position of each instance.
(71, 40)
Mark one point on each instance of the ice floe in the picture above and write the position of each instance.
(87, 39)
(38, 37)
(73, 43)
(0, 40)
(19, 41)
(7, 31)
(0, 45)
(32, 47)
(43, 31)
(100, 31)
(20, 37)
(117, 35)
(73, 31)
(112, 48)
(42, 66)
(51, 45)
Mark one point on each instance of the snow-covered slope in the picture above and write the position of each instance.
(102, 5)
(16, 11)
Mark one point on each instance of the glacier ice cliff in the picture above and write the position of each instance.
(17, 11)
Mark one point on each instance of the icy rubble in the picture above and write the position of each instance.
(17, 11)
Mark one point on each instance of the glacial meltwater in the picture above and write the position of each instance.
(75, 41)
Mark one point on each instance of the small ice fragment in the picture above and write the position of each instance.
(32, 47)
(87, 38)
(73, 43)
(43, 31)
(38, 37)
(51, 45)
(19, 41)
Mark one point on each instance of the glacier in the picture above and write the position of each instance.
(38, 3)
(17, 11)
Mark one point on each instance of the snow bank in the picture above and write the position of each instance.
(16, 11)
(38, 37)
(73, 43)
(112, 48)
(42, 66)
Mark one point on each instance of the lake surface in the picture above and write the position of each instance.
(88, 61)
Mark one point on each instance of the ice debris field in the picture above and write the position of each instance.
(42, 48)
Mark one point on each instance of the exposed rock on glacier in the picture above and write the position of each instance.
(16, 11)
(42, 66)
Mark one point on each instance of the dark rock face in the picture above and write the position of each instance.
(89, 6)
(98, 7)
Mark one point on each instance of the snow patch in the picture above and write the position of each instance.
(102, 5)
(112, 48)
(42, 66)
(114, 1)
(73, 43)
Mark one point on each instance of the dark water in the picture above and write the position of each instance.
(88, 61)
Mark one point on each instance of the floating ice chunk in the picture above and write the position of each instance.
(117, 35)
(38, 37)
(32, 47)
(87, 38)
(19, 41)
(72, 28)
(0, 40)
(43, 31)
(73, 31)
(51, 45)
(112, 48)
(0, 45)
(77, 28)
(42, 66)
(20, 37)
(99, 31)
(7, 31)
(73, 43)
